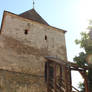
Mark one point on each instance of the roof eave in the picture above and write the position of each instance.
(32, 20)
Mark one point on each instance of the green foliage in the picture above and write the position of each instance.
(86, 43)
(83, 41)
(81, 59)
(81, 86)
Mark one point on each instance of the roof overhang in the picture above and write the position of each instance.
(12, 14)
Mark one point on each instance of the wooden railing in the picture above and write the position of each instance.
(65, 85)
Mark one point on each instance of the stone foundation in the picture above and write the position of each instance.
(20, 82)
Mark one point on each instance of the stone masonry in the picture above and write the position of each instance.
(22, 62)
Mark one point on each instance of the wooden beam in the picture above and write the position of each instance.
(47, 76)
(76, 69)
(65, 63)
(66, 79)
(75, 89)
(70, 80)
(54, 77)
(85, 80)
(60, 75)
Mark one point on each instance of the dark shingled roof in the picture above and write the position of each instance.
(33, 15)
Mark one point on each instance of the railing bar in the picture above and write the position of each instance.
(75, 89)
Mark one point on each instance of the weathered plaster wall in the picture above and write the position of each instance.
(27, 51)
(20, 82)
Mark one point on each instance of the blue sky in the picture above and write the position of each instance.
(71, 15)
(64, 14)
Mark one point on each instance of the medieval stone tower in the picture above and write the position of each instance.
(25, 40)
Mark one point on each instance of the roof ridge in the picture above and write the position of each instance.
(27, 11)
(33, 15)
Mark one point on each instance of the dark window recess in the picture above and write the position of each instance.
(51, 72)
(26, 32)
(45, 37)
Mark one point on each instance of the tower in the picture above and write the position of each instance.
(24, 42)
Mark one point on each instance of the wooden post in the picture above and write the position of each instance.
(70, 80)
(66, 79)
(60, 75)
(47, 76)
(85, 80)
(54, 77)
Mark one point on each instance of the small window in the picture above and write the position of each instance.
(45, 37)
(26, 32)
